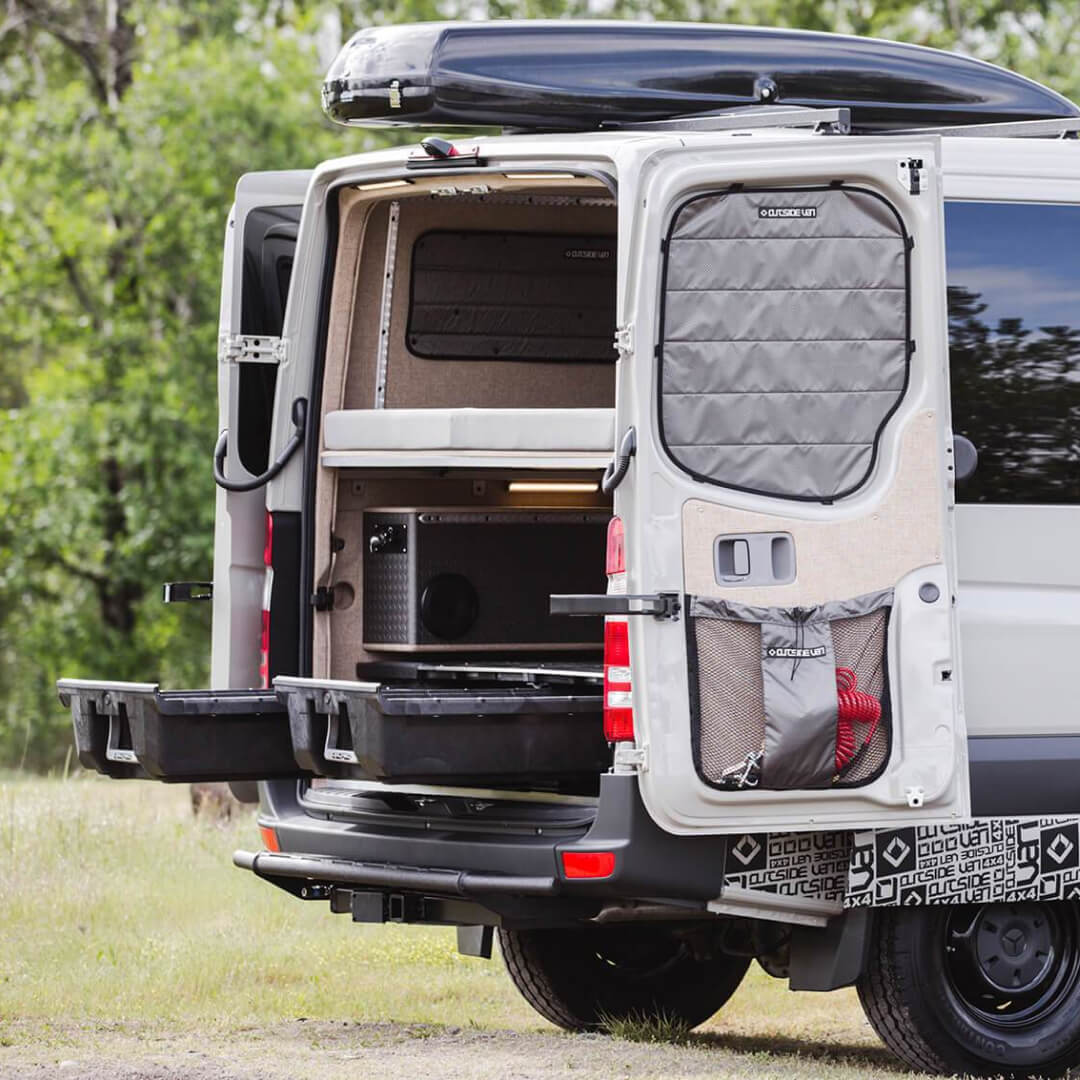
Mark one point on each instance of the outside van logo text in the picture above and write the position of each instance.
(587, 253)
(787, 212)
(775, 653)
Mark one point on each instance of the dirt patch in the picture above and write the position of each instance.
(408, 1052)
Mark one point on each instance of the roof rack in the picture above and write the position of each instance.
(1065, 127)
(836, 121)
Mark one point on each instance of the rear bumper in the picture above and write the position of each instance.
(322, 870)
(393, 853)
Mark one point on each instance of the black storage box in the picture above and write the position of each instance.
(445, 580)
(498, 734)
(576, 75)
(135, 730)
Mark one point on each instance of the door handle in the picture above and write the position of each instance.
(618, 466)
(299, 419)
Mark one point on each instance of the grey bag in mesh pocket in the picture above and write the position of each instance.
(767, 689)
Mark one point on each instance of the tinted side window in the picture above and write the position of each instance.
(1014, 347)
(269, 243)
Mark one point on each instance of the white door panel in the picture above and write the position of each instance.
(892, 531)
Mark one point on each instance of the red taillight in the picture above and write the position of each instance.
(268, 547)
(616, 550)
(269, 838)
(618, 697)
(268, 585)
(264, 650)
(588, 864)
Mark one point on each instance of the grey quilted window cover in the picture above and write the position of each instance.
(512, 296)
(784, 341)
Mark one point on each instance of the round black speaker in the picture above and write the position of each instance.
(449, 606)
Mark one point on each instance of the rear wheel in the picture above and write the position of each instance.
(581, 978)
(985, 989)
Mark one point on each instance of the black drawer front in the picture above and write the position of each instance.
(495, 735)
(135, 731)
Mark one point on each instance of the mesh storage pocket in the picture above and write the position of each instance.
(731, 699)
(764, 683)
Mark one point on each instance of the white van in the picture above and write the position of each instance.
(604, 508)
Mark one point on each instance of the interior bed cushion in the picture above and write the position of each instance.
(569, 430)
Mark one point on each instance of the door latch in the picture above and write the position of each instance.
(910, 171)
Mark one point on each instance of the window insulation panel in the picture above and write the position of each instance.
(512, 296)
(784, 337)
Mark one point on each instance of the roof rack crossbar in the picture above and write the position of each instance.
(838, 120)
(1066, 127)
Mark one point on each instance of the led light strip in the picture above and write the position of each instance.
(504, 198)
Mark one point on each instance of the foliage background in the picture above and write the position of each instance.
(124, 125)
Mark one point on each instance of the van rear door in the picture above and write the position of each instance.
(784, 360)
(260, 240)
(137, 730)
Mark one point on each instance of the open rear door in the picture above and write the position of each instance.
(260, 240)
(786, 330)
(232, 732)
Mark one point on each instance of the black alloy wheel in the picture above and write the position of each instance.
(981, 989)
(1012, 965)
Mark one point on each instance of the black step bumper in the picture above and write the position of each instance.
(385, 853)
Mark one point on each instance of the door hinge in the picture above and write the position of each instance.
(912, 174)
(630, 758)
(250, 349)
(624, 339)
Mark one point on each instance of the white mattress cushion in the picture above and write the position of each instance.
(561, 430)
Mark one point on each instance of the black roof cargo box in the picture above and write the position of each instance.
(577, 76)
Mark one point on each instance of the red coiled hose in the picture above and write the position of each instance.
(852, 706)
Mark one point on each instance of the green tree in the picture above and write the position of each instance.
(123, 140)
(126, 124)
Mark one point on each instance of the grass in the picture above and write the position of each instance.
(119, 908)
(649, 1029)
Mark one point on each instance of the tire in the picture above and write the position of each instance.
(583, 977)
(987, 990)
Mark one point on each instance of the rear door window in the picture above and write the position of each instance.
(269, 243)
(1014, 347)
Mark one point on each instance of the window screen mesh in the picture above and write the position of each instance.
(784, 341)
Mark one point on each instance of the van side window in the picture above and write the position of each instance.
(1014, 347)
